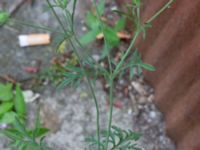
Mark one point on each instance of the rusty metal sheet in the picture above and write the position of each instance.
(173, 47)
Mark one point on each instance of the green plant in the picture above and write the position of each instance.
(13, 113)
(12, 104)
(119, 140)
(93, 22)
(26, 139)
(4, 17)
(113, 138)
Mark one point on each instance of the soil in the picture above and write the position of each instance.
(70, 113)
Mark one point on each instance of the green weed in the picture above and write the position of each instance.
(12, 104)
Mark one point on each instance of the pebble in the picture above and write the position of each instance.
(96, 57)
(114, 8)
(130, 111)
(29, 96)
(152, 114)
(84, 28)
(3, 126)
(142, 100)
(150, 98)
(139, 88)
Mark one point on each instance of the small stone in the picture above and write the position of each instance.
(84, 28)
(121, 82)
(142, 100)
(3, 126)
(96, 57)
(114, 8)
(152, 114)
(129, 87)
(50, 118)
(83, 95)
(130, 111)
(150, 98)
(139, 88)
(29, 96)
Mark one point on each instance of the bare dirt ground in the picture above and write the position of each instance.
(70, 113)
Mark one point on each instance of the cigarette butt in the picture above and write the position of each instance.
(100, 36)
(121, 35)
(34, 40)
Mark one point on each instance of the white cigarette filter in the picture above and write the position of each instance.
(34, 40)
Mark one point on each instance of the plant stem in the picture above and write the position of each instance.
(55, 14)
(96, 63)
(102, 30)
(89, 81)
(35, 26)
(110, 111)
(160, 11)
(93, 95)
(119, 65)
(73, 13)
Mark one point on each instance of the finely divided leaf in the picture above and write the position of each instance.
(147, 67)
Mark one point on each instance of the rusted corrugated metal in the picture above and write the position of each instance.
(173, 47)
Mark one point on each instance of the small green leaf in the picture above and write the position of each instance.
(111, 36)
(131, 73)
(124, 14)
(147, 67)
(19, 102)
(20, 127)
(101, 7)
(6, 93)
(137, 56)
(62, 3)
(65, 2)
(11, 133)
(89, 37)
(92, 21)
(136, 2)
(4, 17)
(8, 117)
(5, 107)
(40, 132)
(46, 8)
(136, 136)
(120, 24)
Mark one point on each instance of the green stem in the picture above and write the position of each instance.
(110, 111)
(119, 65)
(55, 14)
(89, 81)
(35, 26)
(73, 13)
(93, 95)
(102, 30)
(160, 11)
(96, 63)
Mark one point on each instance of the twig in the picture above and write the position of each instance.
(8, 78)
